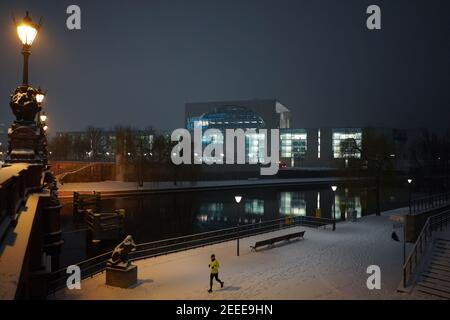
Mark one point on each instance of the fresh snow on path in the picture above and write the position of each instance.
(325, 265)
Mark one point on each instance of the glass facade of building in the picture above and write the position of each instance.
(329, 144)
(227, 117)
(232, 117)
(255, 147)
(347, 143)
(293, 143)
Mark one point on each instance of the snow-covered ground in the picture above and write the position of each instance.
(325, 265)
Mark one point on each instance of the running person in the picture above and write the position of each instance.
(214, 268)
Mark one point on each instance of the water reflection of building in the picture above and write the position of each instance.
(313, 203)
(319, 204)
(347, 203)
(292, 203)
(254, 206)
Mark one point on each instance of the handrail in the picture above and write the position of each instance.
(422, 243)
(427, 203)
(60, 177)
(97, 264)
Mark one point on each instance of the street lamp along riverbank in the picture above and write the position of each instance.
(27, 32)
(27, 135)
(27, 143)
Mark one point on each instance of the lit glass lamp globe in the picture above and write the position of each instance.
(27, 30)
(45, 128)
(40, 96)
(43, 117)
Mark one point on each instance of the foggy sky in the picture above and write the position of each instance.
(138, 62)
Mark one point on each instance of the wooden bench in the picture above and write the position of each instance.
(272, 241)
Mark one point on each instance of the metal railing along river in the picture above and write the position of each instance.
(427, 203)
(97, 264)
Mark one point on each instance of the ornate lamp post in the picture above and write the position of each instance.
(26, 102)
(28, 141)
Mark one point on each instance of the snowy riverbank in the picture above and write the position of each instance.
(326, 265)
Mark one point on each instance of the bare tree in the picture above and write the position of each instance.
(94, 136)
(376, 151)
(80, 147)
(431, 156)
(60, 147)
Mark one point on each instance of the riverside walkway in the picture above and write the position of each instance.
(325, 265)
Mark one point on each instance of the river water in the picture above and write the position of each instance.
(161, 216)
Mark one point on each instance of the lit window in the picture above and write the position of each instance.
(347, 143)
(318, 144)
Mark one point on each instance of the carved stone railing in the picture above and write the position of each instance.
(16, 182)
(30, 232)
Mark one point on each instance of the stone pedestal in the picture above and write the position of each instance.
(121, 277)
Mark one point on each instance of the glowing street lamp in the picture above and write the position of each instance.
(27, 32)
(45, 128)
(334, 188)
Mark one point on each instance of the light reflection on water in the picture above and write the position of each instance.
(155, 217)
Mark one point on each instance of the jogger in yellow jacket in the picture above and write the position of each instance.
(214, 268)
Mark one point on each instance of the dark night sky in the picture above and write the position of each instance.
(138, 62)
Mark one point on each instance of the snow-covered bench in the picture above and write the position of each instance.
(272, 241)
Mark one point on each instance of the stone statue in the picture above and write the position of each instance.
(23, 104)
(119, 257)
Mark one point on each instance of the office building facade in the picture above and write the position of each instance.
(299, 147)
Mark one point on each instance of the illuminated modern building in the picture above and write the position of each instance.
(293, 146)
(299, 147)
(250, 114)
(268, 114)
